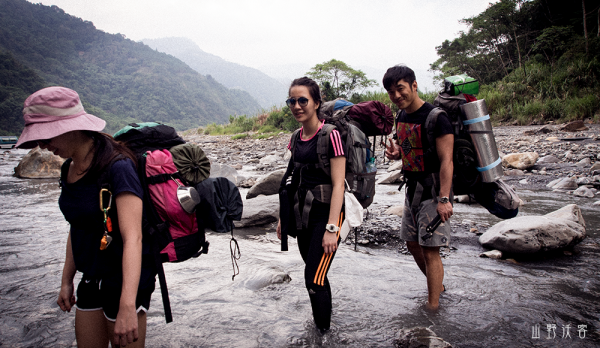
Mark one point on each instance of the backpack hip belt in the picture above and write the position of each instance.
(431, 182)
(321, 193)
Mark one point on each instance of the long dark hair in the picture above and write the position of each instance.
(106, 149)
(313, 89)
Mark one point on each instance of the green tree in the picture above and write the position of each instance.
(493, 45)
(338, 80)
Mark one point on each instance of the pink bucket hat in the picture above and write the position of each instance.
(53, 111)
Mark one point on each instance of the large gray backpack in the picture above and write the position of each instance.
(497, 197)
(361, 182)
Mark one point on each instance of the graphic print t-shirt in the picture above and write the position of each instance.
(417, 161)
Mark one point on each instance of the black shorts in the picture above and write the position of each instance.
(92, 296)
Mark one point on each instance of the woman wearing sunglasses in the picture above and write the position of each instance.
(105, 245)
(319, 196)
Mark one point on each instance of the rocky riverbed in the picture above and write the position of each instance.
(572, 153)
(561, 160)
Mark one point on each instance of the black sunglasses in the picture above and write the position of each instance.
(292, 101)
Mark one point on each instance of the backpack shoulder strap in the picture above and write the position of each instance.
(294, 140)
(64, 171)
(323, 147)
(430, 123)
(104, 177)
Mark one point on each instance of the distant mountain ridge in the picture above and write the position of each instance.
(118, 79)
(265, 89)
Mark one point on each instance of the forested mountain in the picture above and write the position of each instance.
(118, 79)
(17, 82)
(266, 90)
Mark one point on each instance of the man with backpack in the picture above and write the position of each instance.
(428, 172)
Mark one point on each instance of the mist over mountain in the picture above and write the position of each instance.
(286, 73)
(119, 80)
(265, 89)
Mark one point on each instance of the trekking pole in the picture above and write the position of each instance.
(433, 225)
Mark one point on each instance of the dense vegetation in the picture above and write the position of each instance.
(537, 60)
(117, 79)
(17, 82)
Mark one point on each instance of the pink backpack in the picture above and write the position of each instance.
(163, 194)
(175, 233)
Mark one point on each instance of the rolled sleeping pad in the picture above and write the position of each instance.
(479, 127)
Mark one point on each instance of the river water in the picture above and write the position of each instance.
(376, 291)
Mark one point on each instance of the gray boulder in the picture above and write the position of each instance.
(584, 181)
(521, 161)
(514, 172)
(492, 254)
(259, 211)
(584, 162)
(269, 185)
(583, 191)
(575, 126)
(531, 234)
(269, 159)
(595, 167)
(247, 183)
(39, 164)
(391, 177)
(564, 184)
(266, 276)
(420, 337)
(395, 210)
(548, 159)
(287, 156)
(223, 170)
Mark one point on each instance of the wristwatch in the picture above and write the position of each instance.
(444, 200)
(331, 228)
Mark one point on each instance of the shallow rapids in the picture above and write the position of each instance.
(376, 291)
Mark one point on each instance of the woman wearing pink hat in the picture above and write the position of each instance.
(114, 293)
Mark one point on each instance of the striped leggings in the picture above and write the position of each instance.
(317, 263)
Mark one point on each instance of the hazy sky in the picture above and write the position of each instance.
(266, 34)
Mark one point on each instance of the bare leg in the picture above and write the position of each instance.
(90, 329)
(141, 342)
(435, 275)
(417, 253)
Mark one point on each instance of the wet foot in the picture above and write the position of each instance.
(431, 307)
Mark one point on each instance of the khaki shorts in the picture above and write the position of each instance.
(413, 227)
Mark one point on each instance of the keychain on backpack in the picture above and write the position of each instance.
(106, 238)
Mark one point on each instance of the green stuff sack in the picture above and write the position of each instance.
(191, 162)
(455, 85)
